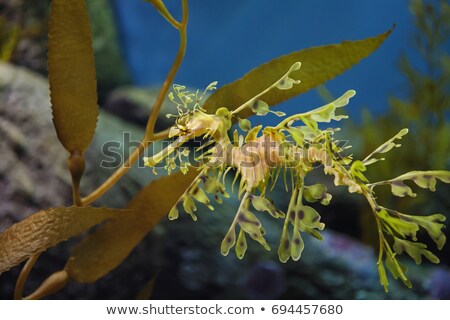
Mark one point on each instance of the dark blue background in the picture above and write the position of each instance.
(228, 38)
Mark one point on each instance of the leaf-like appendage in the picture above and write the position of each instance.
(317, 192)
(399, 223)
(105, 249)
(241, 245)
(284, 250)
(260, 108)
(414, 249)
(228, 241)
(71, 72)
(406, 226)
(433, 226)
(47, 228)
(251, 225)
(397, 269)
(424, 179)
(327, 112)
(319, 64)
(357, 168)
(385, 147)
(383, 278)
(297, 245)
(308, 217)
(245, 124)
(263, 204)
(297, 136)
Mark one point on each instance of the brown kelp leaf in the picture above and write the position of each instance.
(71, 72)
(319, 64)
(104, 250)
(146, 292)
(45, 229)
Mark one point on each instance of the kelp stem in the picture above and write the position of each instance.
(76, 166)
(171, 75)
(20, 284)
(149, 136)
(120, 172)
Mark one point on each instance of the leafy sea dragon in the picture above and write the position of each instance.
(296, 146)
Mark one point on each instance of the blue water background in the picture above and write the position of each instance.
(228, 38)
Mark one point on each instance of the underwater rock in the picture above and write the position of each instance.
(134, 104)
(33, 172)
(34, 176)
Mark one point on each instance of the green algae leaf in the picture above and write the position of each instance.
(385, 147)
(423, 179)
(415, 250)
(47, 228)
(71, 72)
(319, 64)
(105, 249)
